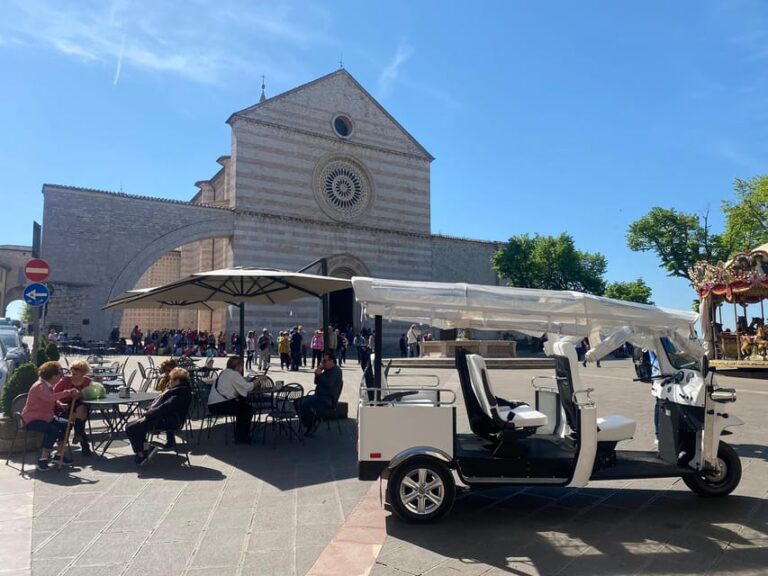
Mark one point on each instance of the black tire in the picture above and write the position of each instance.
(719, 484)
(410, 495)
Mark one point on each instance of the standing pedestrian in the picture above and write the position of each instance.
(250, 349)
(317, 345)
(295, 343)
(265, 349)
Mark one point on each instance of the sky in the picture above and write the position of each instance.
(543, 117)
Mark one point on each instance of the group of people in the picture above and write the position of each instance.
(54, 403)
(176, 342)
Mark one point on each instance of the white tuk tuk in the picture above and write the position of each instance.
(408, 435)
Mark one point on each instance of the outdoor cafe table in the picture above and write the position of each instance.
(116, 412)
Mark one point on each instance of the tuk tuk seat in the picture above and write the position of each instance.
(613, 428)
(519, 416)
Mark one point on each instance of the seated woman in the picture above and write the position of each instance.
(77, 380)
(39, 415)
(328, 385)
(165, 371)
(228, 397)
(168, 412)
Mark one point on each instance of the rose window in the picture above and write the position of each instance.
(342, 189)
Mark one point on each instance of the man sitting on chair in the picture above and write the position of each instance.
(328, 384)
(168, 412)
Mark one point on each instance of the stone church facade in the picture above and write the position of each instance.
(320, 171)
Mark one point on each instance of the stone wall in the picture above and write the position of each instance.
(99, 244)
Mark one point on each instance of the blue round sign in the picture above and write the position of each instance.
(36, 294)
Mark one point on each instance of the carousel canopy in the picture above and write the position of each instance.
(743, 279)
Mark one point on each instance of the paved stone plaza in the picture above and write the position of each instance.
(264, 510)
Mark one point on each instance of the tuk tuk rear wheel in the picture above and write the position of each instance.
(421, 490)
(721, 482)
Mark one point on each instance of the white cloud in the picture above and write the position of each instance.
(389, 75)
(186, 38)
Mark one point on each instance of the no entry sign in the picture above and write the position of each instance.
(37, 270)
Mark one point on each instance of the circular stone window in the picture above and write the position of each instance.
(342, 126)
(342, 189)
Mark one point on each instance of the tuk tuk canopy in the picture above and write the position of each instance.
(530, 311)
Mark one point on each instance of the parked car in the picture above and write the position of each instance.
(16, 350)
(5, 372)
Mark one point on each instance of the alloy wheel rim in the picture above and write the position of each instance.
(719, 475)
(422, 491)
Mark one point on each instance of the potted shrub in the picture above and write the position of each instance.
(19, 383)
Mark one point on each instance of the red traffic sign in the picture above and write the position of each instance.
(37, 270)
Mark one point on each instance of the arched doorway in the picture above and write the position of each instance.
(344, 313)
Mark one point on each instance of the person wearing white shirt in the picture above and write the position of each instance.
(228, 397)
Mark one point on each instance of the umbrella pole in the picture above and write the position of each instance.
(242, 330)
(326, 304)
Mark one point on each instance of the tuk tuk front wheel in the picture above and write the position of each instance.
(421, 490)
(720, 482)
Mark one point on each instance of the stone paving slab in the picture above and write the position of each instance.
(613, 528)
(264, 510)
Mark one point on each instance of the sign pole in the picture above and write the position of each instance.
(36, 243)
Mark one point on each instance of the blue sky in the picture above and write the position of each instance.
(543, 116)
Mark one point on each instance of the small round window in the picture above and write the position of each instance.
(342, 126)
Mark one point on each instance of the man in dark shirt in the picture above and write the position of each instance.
(328, 385)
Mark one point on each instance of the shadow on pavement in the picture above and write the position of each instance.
(592, 531)
(752, 451)
(326, 457)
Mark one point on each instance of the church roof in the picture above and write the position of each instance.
(340, 72)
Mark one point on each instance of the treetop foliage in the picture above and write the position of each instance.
(550, 263)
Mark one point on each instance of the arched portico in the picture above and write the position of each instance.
(112, 240)
(343, 308)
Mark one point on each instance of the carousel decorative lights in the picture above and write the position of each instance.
(741, 281)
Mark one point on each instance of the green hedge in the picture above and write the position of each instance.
(41, 357)
(52, 351)
(19, 383)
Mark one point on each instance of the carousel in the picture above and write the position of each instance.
(735, 291)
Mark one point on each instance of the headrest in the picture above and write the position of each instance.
(563, 348)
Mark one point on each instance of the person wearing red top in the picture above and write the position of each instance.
(39, 415)
(77, 380)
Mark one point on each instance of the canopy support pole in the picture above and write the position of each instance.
(241, 306)
(377, 339)
(325, 300)
(738, 335)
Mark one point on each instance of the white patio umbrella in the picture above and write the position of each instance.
(236, 287)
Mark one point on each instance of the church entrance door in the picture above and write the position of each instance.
(342, 305)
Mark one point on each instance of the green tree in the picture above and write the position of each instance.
(550, 262)
(636, 291)
(678, 239)
(26, 313)
(746, 218)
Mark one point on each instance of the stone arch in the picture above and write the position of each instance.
(346, 266)
(142, 260)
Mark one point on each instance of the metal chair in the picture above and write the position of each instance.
(186, 434)
(17, 404)
(326, 416)
(283, 412)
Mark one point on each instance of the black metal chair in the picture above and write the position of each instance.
(283, 413)
(17, 404)
(261, 400)
(326, 416)
(185, 432)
